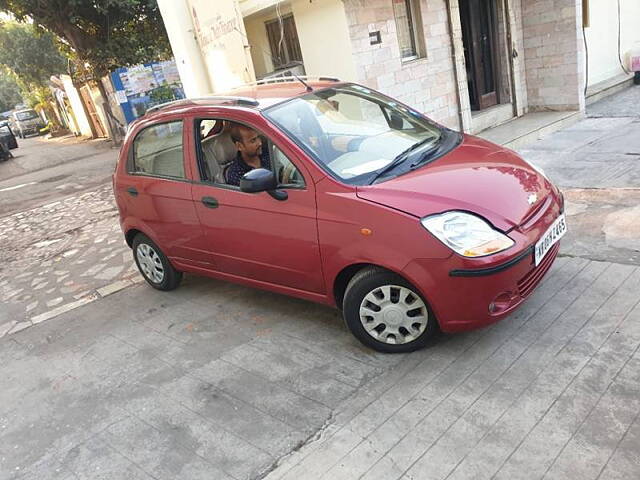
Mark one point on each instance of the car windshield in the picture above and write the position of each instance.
(5, 130)
(28, 115)
(353, 131)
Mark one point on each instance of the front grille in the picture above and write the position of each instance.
(530, 281)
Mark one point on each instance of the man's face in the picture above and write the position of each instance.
(251, 145)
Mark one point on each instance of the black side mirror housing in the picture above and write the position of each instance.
(261, 180)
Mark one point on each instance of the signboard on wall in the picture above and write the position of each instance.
(219, 27)
(140, 87)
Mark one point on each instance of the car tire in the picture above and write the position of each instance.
(386, 313)
(154, 264)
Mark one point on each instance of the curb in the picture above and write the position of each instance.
(102, 292)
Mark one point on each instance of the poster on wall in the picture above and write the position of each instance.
(141, 87)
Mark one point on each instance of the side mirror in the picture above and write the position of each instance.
(261, 180)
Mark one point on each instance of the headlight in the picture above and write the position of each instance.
(466, 234)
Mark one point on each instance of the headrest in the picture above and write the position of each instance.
(223, 148)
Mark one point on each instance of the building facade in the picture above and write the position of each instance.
(468, 64)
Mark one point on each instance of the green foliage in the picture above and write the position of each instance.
(9, 92)
(30, 53)
(104, 34)
(162, 94)
(37, 96)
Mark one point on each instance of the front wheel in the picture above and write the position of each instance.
(386, 313)
(154, 265)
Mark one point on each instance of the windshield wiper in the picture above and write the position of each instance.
(424, 158)
(401, 157)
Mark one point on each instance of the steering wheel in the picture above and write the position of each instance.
(289, 174)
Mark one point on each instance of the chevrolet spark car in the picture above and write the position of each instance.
(406, 226)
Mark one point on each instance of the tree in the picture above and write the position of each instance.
(10, 95)
(30, 53)
(32, 56)
(101, 34)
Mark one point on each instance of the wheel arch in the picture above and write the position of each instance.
(131, 234)
(345, 275)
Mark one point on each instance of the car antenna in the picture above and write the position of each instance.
(309, 89)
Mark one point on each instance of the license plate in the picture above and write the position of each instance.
(554, 233)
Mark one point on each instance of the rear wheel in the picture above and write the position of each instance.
(386, 313)
(154, 265)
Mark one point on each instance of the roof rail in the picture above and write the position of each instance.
(251, 102)
(247, 101)
(161, 106)
(289, 79)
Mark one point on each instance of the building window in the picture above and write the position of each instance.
(409, 29)
(283, 41)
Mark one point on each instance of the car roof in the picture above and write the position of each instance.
(256, 95)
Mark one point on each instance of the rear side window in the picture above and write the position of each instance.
(157, 150)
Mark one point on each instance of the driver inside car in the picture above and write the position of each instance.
(250, 154)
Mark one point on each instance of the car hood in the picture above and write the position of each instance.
(477, 176)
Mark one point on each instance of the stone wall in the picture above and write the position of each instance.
(427, 84)
(519, 65)
(554, 54)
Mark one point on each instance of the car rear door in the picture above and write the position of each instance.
(154, 190)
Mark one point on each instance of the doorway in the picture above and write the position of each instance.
(479, 23)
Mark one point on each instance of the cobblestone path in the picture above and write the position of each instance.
(60, 253)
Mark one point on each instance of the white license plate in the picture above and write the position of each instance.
(554, 233)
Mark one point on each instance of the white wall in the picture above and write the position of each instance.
(323, 33)
(602, 36)
(219, 27)
(186, 51)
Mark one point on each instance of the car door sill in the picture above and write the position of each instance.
(250, 282)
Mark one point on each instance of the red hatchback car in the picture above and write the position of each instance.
(357, 201)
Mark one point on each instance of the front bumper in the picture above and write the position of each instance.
(463, 303)
(466, 294)
(31, 129)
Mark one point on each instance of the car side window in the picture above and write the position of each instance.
(157, 150)
(218, 151)
(286, 172)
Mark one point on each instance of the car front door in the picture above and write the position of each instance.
(257, 237)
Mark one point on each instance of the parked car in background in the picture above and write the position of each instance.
(406, 226)
(26, 122)
(6, 136)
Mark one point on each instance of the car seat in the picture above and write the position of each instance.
(219, 151)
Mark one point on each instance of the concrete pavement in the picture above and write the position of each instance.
(220, 381)
(596, 164)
